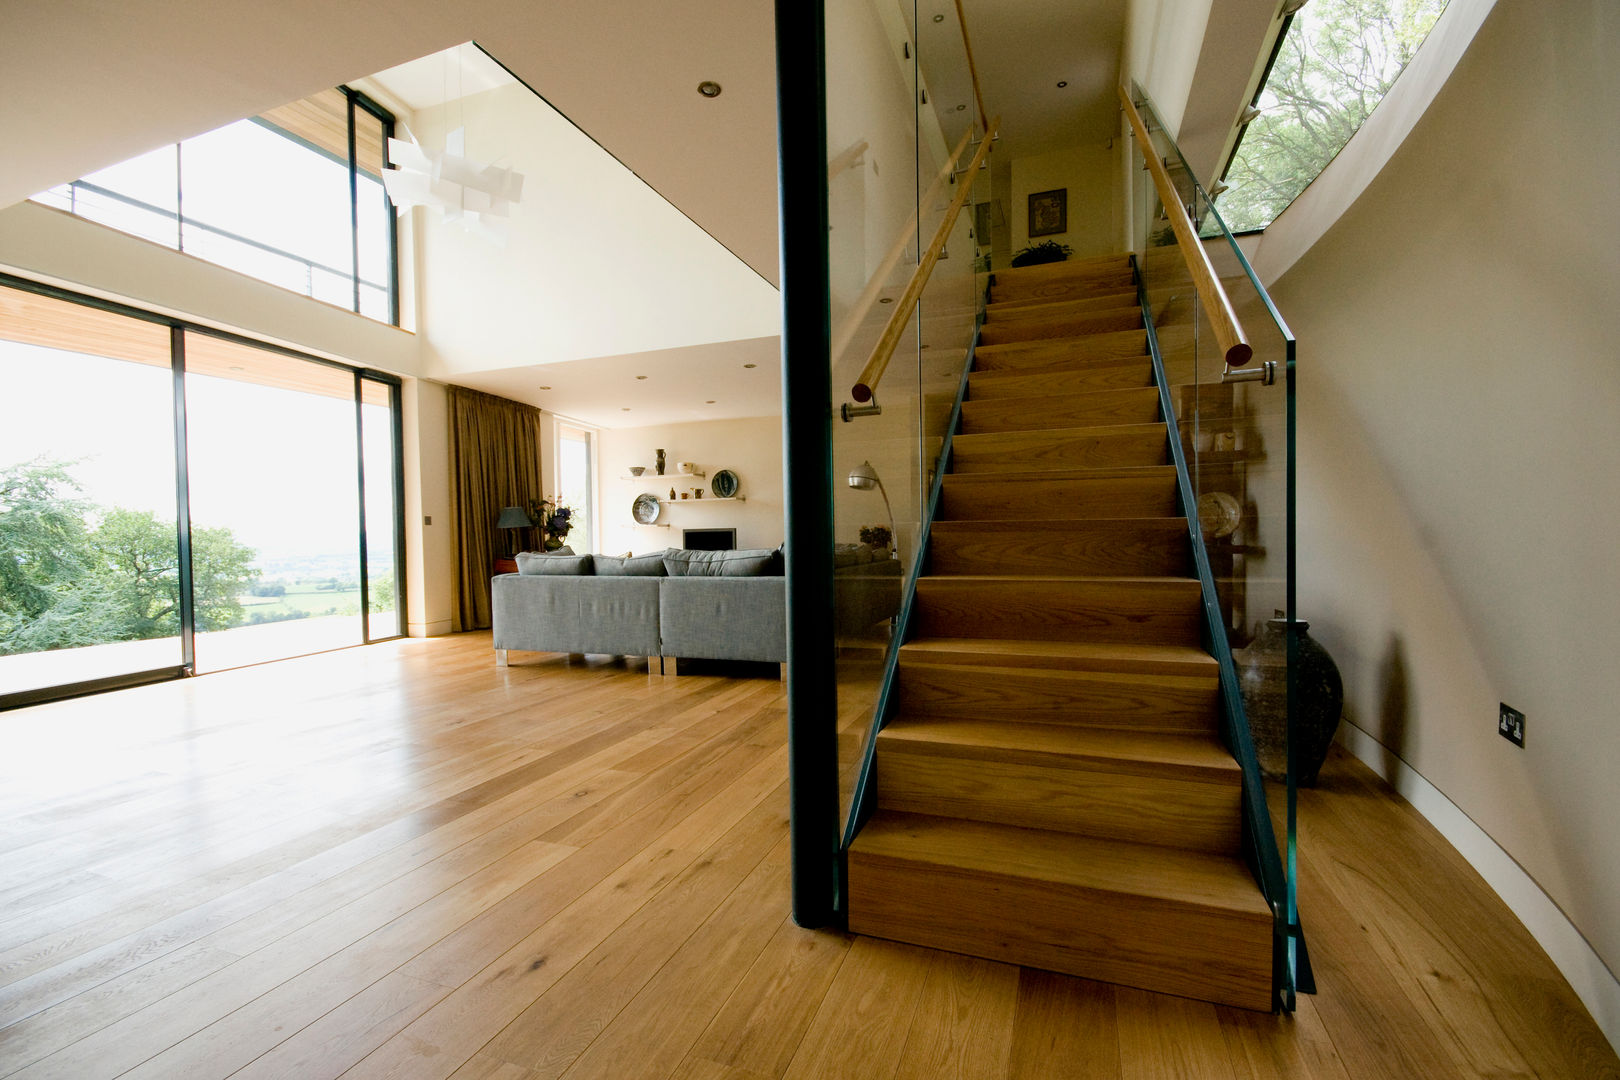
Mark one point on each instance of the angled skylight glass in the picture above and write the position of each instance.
(1334, 64)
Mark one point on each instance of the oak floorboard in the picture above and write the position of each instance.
(1063, 1029)
(349, 863)
(963, 1026)
(859, 1030)
(759, 1026)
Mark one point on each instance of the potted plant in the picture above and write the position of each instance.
(877, 536)
(554, 520)
(1047, 251)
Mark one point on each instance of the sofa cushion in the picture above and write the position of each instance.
(744, 562)
(630, 566)
(562, 562)
(852, 555)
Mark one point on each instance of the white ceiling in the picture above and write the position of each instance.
(87, 83)
(699, 382)
(83, 84)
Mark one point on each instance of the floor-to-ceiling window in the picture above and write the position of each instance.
(174, 499)
(89, 546)
(293, 197)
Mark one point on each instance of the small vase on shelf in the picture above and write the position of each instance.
(659, 464)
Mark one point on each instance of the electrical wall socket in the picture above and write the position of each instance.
(1510, 725)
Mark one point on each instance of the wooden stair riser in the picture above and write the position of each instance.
(1139, 406)
(1075, 298)
(1135, 940)
(1080, 448)
(1059, 354)
(1167, 704)
(1011, 316)
(1025, 653)
(1134, 610)
(1109, 804)
(1103, 548)
(1104, 322)
(1111, 273)
(991, 497)
(1132, 374)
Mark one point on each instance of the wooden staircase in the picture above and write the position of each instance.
(1052, 790)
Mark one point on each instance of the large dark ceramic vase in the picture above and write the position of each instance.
(1318, 701)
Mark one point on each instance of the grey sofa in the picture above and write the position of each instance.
(673, 604)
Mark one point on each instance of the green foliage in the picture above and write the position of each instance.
(1047, 251)
(1338, 61)
(66, 583)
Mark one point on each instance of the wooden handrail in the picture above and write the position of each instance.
(884, 349)
(1228, 332)
(973, 71)
(845, 332)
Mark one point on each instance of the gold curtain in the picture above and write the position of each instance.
(494, 463)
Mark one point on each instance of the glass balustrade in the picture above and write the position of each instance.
(1237, 434)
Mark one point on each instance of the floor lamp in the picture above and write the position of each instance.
(864, 478)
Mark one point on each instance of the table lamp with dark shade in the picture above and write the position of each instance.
(513, 517)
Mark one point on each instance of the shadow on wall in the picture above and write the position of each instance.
(1394, 702)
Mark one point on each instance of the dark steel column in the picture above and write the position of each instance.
(801, 131)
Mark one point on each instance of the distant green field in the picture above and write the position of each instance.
(306, 598)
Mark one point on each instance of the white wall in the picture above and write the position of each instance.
(595, 262)
(52, 245)
(1458, 452)
(750, 448)
(430, 557)
(1162, 42)
(1091, 176)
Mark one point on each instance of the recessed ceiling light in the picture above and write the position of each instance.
(709, 88)
(1062, 83)
(545, 388)
(641, 378)
(709, 402)
(885, 299)
(625, 409)
(750, 365)
(939, 18)
(961, 108)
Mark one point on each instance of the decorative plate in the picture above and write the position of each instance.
(724, 485)
(1218, 514)
(646, 508)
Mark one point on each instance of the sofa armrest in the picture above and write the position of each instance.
(723, 618)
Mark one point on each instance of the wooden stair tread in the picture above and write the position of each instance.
(1150, 473)
(1185, 878)
(1012, 312)
(1191, 757)
(1064, 655)
(1049, 580)
(1046, 353)
(1017, 439)
(1105, 293)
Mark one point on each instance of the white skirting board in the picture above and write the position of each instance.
(1590, 978)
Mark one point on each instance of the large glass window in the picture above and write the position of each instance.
(89, 552)
(272, 530)
(1335, 61)
(293, 197)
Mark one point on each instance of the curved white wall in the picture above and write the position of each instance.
(1458, 395)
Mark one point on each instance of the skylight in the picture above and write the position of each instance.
(1335, 62)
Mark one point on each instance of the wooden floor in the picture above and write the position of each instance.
(404, 861)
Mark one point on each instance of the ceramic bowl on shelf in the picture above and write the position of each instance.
(686, 467)
(637, 470)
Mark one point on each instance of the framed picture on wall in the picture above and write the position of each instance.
(1049, 212)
